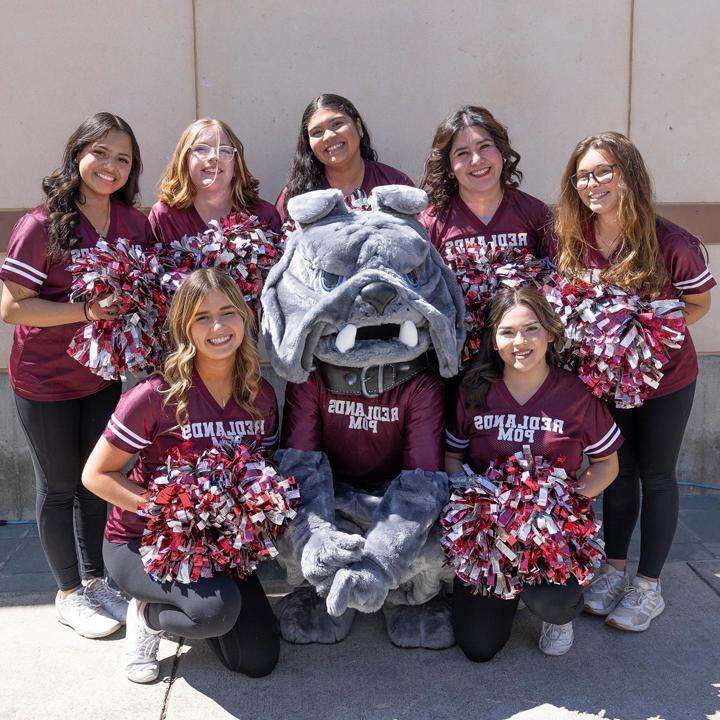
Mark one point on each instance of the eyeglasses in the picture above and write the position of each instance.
(203, 151)
(602, 174)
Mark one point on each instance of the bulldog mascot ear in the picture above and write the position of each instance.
(360, 288)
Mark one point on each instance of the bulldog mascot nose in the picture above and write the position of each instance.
(362, 317)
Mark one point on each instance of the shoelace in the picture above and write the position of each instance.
(84, 604)
(605, 583)
(555, 632)
(634, 596)
(147, 647)
(103, 593)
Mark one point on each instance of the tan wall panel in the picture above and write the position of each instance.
(408, 64)
(73, 58)
(675, 89)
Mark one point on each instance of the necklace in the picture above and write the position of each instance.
(103, 229)
(606, 248)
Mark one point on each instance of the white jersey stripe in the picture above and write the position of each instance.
(602, 440)
(600, 447)
(455, 441)
(695, 282)
(123, 430)
(24, 271)
(24, 266)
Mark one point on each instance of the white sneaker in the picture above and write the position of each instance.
(84, 615)
(141, 646)
(638, 606)
(556, 639)
(110, 599)
(604, 591)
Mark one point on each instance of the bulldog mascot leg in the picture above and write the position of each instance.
(357, 316)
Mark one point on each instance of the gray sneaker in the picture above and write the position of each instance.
(556, 639)
(111, 601)
(604, 591)
(141, 647)
(84, 615)
(638, 606)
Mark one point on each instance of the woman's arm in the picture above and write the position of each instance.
(21, 306)
(598, 476)
(103, 476)
(453, 462)
(695, 306)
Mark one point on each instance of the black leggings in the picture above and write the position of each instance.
(482, 624)
(653, 435)
(234, 616)
(61, 435)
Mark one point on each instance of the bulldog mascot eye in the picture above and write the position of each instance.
(362, 317)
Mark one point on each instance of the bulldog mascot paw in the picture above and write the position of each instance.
(361, 316)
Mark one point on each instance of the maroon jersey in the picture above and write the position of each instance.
(368, 440)
(560, 420)
(520, 222)
(171, 223)
(376, 173)
(39, 367)
(143, 424)
(689, 275)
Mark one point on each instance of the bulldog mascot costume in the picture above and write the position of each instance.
(360, 315)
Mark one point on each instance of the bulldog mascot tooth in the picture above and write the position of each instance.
(350, 315)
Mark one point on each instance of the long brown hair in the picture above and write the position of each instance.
(179, 363)
(62, 186)
(176, 187)
(437, 180)
(487, 366)
(638, 264)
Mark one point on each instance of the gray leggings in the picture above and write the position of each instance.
(234, 616)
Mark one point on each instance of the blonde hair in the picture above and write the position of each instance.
(176, 187)
(179, 363)
(639, 265)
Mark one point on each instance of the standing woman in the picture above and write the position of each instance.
(210, 388)
(334, 151)
(207, 179)
(606, 223)
(62, 406)
(513, 383)
(471, 177)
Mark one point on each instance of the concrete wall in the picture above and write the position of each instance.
(553, 72)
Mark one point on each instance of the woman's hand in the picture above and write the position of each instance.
(598, 476)
(97, 310)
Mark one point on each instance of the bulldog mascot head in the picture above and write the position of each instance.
(361, 316)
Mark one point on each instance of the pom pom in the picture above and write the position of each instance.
(481, 272)
(240, 246)
(127, 276)
(217, 511)
(518, 524)
(616, 341)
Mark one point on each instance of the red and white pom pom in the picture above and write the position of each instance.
(240, 246)
(127, 276)
(217, 511)
(519, 524)
(481, 272)
(617, 342)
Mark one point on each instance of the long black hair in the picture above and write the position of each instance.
(307, 172)
(62, 187)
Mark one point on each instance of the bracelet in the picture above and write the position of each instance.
(85, 311)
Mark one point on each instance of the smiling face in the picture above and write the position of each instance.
(211, 165)
(600, 198)
(521, 341)
(334, 137)
(105, 164)
(475, 162)
(217, 330)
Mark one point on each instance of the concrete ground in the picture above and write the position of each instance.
(670, 672)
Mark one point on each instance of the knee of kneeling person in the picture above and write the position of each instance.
(479, 654)
(261, 664)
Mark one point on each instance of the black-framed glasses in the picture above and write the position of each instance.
(203, 151)
(602, 173)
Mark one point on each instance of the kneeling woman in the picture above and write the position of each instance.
(212, 380)
(511, 379)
